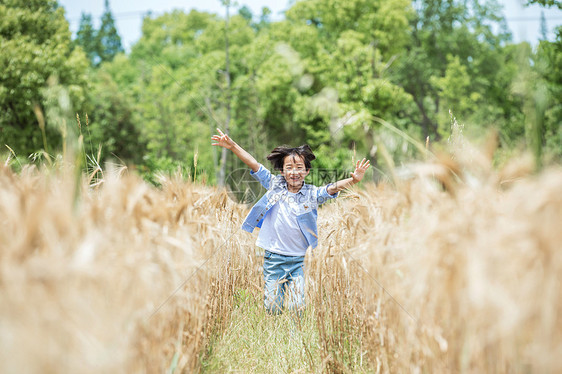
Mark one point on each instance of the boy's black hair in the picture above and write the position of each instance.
(277, 156)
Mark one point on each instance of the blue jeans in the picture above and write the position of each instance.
(284, 282)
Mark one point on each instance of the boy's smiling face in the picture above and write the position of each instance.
(294, 171)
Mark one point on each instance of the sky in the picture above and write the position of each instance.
(524, 22)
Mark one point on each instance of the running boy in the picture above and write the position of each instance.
(287, 216)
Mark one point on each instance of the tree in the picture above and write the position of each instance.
(35, 43)
(112, 117)
(264, 20)
(383, 23)
(178, 85)
(246, 13)
(86, 38)
(549, 66)
(462, 30)
(228, 101)
(325, 75)
(348, 49)
(108, 40)
(544, 28)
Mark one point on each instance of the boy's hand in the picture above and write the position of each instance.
(360, 169)
(223, 140)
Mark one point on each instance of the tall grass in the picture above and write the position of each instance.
(455, 268)
(82, 286)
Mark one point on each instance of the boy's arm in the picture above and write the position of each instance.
(224, 141)
(356, 177)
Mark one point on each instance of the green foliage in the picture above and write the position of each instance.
(35, 43)
(549, 66)
(329, 75)
(246, 13)
(322, 75)
(548, 129)
(546, 3)
(454, 59)
(86, 38)
(112, 121)
(382, 22)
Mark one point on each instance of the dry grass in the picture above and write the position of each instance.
(469, 259)
(80, 282)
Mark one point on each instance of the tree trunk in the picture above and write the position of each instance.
(224, 153)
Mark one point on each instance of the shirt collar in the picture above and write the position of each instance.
(281, 180)
(302, 190)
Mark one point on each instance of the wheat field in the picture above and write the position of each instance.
(455, 266)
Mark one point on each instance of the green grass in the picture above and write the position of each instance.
(256, 342)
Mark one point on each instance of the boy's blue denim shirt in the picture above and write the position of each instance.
(309, 197)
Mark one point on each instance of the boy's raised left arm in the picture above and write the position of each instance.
(356, 177)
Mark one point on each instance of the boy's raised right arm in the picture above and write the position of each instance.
(224, 141)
